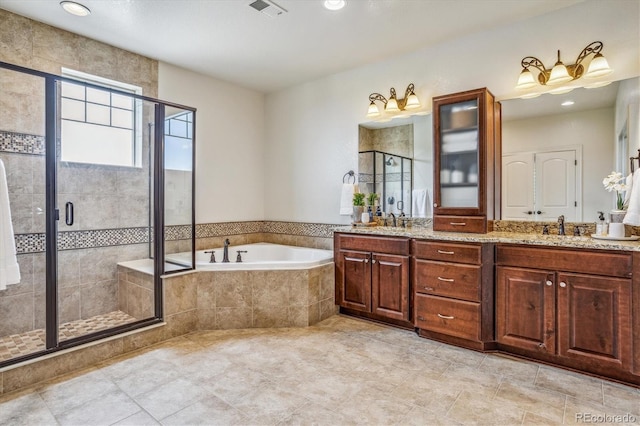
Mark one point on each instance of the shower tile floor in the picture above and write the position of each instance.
(17, 345)
(342, 371)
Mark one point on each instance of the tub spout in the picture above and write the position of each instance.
(225, 254)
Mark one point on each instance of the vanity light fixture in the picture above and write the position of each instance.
(561, 73)
(393, 105)
(334, 4)
(75, 8)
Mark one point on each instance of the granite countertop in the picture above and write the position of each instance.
(585, 242)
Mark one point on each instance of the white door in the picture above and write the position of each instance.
(517, 186)
(555, 185)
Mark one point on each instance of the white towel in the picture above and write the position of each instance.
(346, 198)
(9, 269)
(420, 205)
(633, 211)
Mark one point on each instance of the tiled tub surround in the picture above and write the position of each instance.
(238, 299)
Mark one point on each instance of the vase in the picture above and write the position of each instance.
(357, 214)
(616, 227)
(616, 216)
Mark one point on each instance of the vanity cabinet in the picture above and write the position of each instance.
(372, 277)
(565, 306)
(467, 161)
(453, 292)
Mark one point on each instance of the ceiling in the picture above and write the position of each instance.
(231, 41)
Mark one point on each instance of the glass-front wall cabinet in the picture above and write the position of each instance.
(466, 167)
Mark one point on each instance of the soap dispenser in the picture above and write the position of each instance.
(601, 225)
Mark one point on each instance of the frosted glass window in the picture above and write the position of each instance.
(72, 110)
(122, 118)
(74, 91)
(178, 143)
(119, 101)
(98, 96)
(95, 144)
(99, 114)
(98, 126)
(178, 128)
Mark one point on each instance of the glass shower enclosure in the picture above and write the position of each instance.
(93, 178)
(388, 175)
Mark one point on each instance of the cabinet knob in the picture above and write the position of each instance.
(563, 284)
(542, 346)
(429, 288)
(373, 261)
(549, 283)
(449, 280)
(366, 261)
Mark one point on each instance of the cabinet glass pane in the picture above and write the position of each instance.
(459, 154)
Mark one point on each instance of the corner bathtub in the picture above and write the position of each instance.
(258, 256)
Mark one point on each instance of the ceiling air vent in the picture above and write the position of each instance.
(268, 8)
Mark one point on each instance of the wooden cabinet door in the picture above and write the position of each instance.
(594, 319)
(390, 286)
(355, 291)
(526, 308)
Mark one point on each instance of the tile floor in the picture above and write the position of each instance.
(340, 371)
(17, 345)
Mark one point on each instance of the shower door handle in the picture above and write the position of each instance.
(68, 213)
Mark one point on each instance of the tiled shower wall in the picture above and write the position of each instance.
(111, 203)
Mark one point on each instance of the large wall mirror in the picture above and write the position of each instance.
(396, 162)
(558, 148)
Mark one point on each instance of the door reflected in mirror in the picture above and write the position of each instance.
(558, 148)
(396, 162)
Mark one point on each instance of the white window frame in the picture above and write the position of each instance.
(137, 110)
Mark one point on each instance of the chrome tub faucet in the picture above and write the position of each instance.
(225, 254)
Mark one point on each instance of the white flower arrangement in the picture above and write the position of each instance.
(616, 182)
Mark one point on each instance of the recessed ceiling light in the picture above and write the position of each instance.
(567, 103)
(75, 8)
(334, 4)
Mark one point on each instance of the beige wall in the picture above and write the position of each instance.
(229, 144)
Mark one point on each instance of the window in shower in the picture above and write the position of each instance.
(178, 141)
(99, 126)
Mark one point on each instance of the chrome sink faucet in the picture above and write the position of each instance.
(225, 254)
(561, 225)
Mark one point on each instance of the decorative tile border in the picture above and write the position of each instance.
(71, 240)
(322, 230)
(21, 143)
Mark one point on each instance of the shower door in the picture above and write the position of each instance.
(103, 201)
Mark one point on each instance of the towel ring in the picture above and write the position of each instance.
(350, 174)
(633, 163)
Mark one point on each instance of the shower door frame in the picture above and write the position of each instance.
(52, 216)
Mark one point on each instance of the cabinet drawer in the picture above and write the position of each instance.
(474, 224)
(447, 252)
(586, 262)
(447, 279)
(448, 316)
(388, 245)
